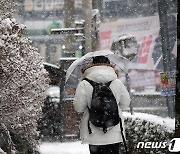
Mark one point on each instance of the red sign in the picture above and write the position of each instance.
(105, 37)
(144, 50)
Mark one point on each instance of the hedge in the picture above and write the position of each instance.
(143, 127)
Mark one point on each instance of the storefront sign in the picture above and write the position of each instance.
(168, 83)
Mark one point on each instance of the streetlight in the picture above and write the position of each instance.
(126, 46)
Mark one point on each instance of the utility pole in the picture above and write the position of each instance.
(87, 15)
(95, 25)
(69, 10)
(177, 103)
(162, 9)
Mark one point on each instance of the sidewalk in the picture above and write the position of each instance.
(64, 148)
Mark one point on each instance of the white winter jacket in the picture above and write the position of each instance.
(82, 99)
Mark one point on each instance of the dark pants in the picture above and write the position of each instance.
(105, 149)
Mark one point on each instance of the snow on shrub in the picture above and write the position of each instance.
(23, 82)
(142, 127)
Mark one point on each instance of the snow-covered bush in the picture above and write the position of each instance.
(23, 81)
(7, 8)
(143, 127)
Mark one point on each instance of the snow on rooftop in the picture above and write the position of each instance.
(69, 58)
(53, 91)
(123, 37)
(52, 65)
(157, 93)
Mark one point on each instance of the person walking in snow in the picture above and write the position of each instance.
(100, 140)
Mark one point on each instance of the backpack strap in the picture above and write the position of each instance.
(89, 128)
(95, 83)
(91, 82)
(123, 137)
(108, 83)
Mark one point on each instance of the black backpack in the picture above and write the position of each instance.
(103, 111)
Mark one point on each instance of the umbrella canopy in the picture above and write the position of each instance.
(73, 73)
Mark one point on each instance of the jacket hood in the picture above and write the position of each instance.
(100, 73)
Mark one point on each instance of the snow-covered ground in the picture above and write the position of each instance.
(78, 148)
(64, 148)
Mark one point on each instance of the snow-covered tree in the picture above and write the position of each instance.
(23, 81)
